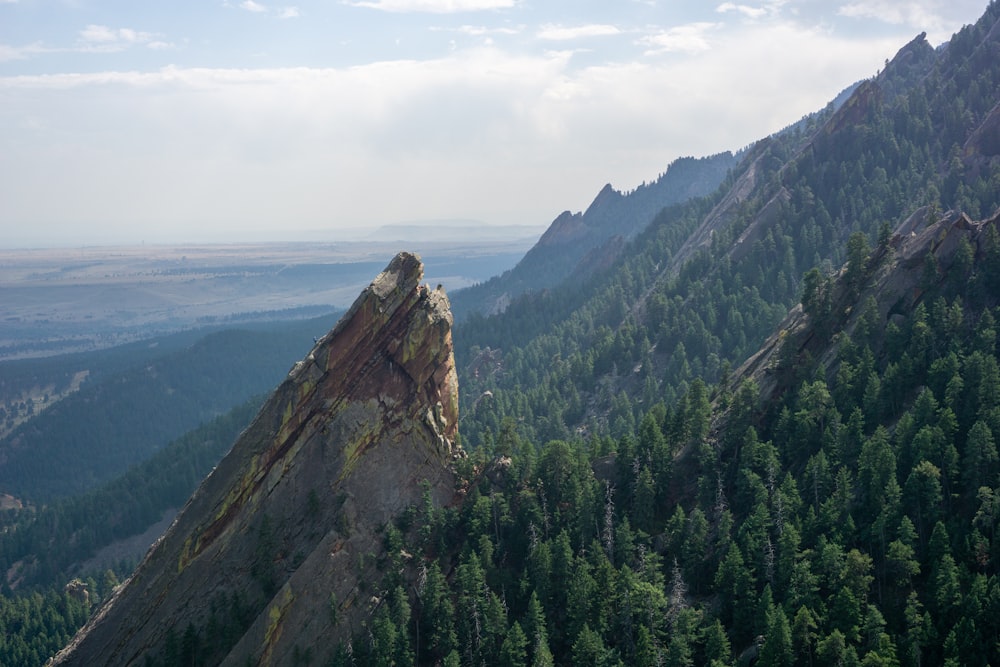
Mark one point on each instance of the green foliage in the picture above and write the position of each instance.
(121, 419)
(36, 626)
(116, 510)
(888, 555)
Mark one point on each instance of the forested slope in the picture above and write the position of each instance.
(46, 593)
(700, 289)
(121, 418)
(836, 503)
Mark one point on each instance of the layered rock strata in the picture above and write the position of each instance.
(272, 557)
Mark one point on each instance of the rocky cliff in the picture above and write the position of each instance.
(272, 558)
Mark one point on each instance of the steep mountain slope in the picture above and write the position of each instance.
(121, 418)
(63, 539)
(581, 243)
(835, 504)
(700, 289)
(858, 448)
(921, 257)
(269, 560)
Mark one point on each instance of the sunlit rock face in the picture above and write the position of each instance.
(271, 558)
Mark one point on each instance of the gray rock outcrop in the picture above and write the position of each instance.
(272, 557)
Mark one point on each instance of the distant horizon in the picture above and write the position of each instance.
(509, 233)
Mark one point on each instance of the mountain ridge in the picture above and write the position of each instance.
(564, 245)
(700, 289)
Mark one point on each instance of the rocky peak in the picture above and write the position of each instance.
(567, 227)
(607, 197)
(271, 557)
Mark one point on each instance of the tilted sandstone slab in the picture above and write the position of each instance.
(271, 557)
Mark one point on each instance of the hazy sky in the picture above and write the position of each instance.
(128, 120)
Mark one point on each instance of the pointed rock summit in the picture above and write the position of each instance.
(271, 558)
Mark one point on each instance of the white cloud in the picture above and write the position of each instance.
(691, 38)
(9, 53)
(896, 13)
(746, 10)
(133, 37)
(286, 12)
(937, 17)
(565, 33)
(481, 31)
(434, 6)
(482, 133)
(98, 33)
(101, 38)
(252, 6)
(92, 39)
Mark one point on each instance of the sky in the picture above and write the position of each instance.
(127, 121)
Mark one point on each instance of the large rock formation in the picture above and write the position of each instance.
(272, 558)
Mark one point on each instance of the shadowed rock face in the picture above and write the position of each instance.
(270, 557)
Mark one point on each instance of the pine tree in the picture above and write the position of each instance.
(735, 585)
(717, 648)
(589, 648)
(777, 649)
(436, 616)
(513, 651)
(979, 465)
(536, 634)
(804, 635)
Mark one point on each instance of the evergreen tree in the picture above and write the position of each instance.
(777, 649)
(513, 651)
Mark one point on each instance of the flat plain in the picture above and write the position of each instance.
(59, 300)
